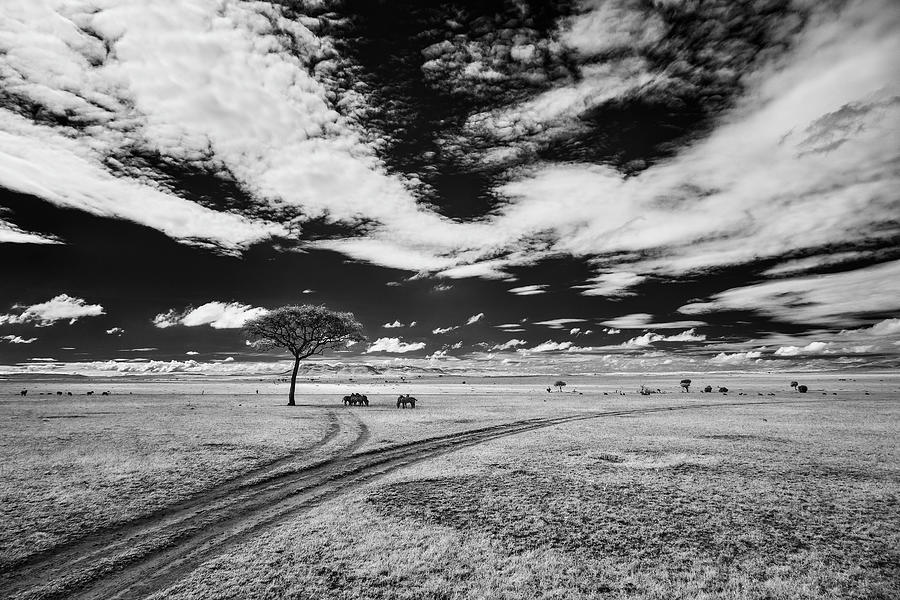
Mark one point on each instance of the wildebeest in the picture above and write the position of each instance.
(723, 389)
(707, 389)
(90, 393)
(59, 393)
(24, 392)
(355, 399)
(105, 394)
(404, 400)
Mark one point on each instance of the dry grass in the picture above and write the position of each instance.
(71, 465)
(714, 504)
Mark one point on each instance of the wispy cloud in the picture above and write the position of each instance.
(528, 290)
(645, 321)
(15, 339)
(475, 318)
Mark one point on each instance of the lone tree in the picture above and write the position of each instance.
(794, 384)
(303, 331)
(685, 385)
(560, 384)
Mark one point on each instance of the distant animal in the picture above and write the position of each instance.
(105, 394)
(707, 389)
(723, 390)
(90, 393)
(402, 401)
(794, 384)
(802, 389)
(68, 393)
(24, 392)
(355, 399)
(685, 385)
(59, 393)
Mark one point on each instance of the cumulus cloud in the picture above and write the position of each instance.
(736, 358)
(475, 318)
(650, 338)
(509, 345)
(14, 339)
(218, 315)
(394, 345)
(59, 308)
(393, 325)
(811, 348)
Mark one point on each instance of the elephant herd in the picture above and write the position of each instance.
(355, 399)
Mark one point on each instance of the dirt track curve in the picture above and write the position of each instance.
(146, 555)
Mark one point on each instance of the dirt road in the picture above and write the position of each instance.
(138, 558)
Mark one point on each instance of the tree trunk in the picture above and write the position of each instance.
(294, 381)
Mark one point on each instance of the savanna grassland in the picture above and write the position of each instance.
(795, 497)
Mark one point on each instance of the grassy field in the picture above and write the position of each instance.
(795, 499)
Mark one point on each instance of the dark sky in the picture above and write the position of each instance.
(596, 186)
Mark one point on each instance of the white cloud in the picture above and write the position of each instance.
(528, 290)
(548, 346)
(14, 339)
(558, 323)
(811, 348)
(218, 315)
(611, 331)
(394, 345)
(837, 298)
(575, 331)
(192, 353)
(11, 234)
(393, 325)
(440, 330)
(475, 318)
(613, 285)
(737, 358)
(649, 338)
(509, 345)
(115, 331)
(308, 291)
(59, 308)
(886, 327)
(645, 321)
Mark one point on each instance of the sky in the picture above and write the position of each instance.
(581, 186)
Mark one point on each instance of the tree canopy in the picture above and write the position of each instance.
(303, 331)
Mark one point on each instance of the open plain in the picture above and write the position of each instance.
(490, 488)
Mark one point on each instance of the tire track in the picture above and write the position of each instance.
(35, 567)
(155, 552)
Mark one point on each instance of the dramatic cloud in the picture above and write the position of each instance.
(218, 315)
(14, 339)
(394, 345)
(836, 299)
(59, 308)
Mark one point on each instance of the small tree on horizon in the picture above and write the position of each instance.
(303, 331)
(560, 384)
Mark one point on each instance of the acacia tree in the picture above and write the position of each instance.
(560, 384)
(303, 331)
